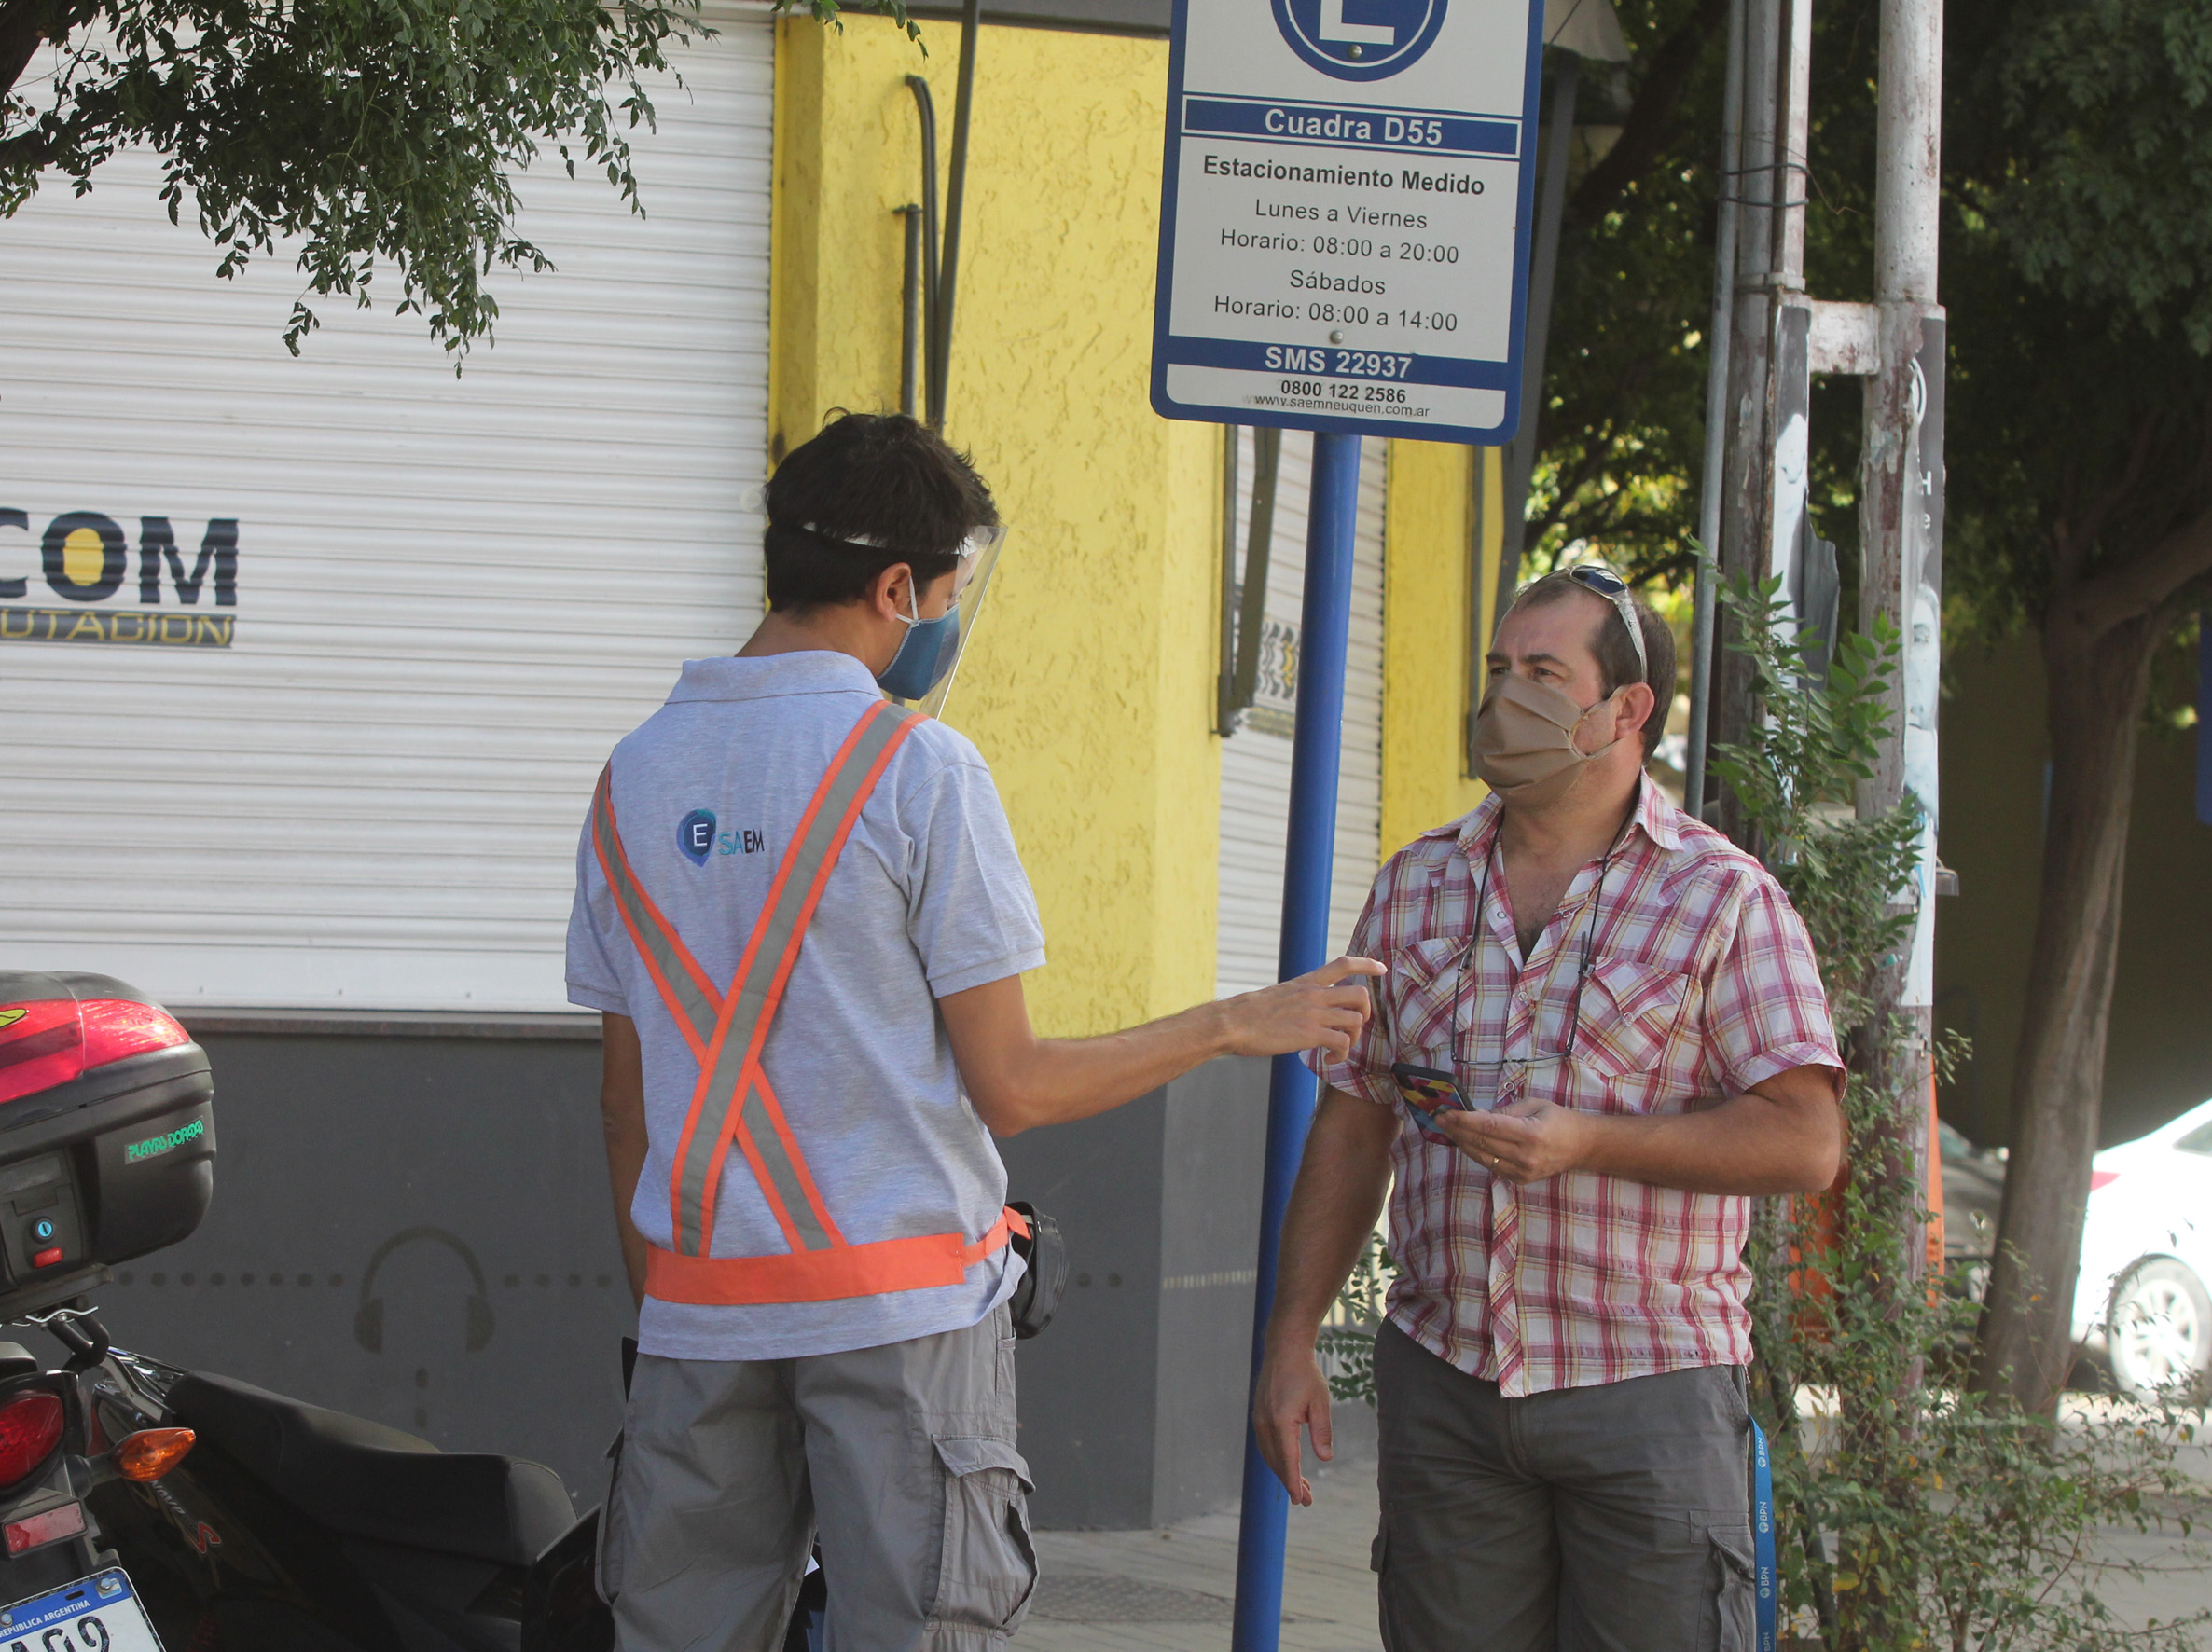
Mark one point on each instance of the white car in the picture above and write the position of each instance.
(2146, 1255)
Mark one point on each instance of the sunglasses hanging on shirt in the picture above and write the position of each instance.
(1464, 1061)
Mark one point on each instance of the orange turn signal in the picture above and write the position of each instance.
(152, 1452)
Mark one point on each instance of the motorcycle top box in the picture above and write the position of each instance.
(107, 1134)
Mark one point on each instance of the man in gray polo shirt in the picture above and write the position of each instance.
(800, 910)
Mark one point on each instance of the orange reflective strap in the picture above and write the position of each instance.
(684, 987)
(921, 1263)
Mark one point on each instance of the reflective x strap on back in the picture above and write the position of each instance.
(726, 1030)
(732, 1100)
(733, 1104)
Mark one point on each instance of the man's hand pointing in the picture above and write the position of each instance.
(1322, 1011)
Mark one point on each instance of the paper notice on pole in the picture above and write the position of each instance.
(1345, 212)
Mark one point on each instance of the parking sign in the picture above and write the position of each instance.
(1343, 228)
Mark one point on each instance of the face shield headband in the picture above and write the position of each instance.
(924, 666)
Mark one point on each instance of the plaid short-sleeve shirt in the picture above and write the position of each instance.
(1701, 983)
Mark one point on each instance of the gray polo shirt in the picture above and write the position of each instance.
(928, 899)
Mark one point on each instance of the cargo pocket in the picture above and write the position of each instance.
(606, 1579)
(1732, 1616)
(990, 1565)
(1386, 1603)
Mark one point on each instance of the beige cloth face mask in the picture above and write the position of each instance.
(1524, 740)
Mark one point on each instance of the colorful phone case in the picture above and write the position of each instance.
(1426, 1093)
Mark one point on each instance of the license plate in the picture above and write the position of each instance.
(96, 1614)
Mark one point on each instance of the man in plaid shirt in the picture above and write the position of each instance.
(1632, 1014)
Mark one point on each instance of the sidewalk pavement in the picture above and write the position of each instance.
(1170, 1591)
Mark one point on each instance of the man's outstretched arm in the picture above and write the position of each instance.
(1342, 1183)
(1018, 1080)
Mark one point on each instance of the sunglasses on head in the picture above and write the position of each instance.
(1605, 583)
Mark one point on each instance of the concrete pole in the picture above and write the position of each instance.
(1744, 497)
(1790, 365)
(1901, 510)
(1795, 115)
(1719, 334)
(1551, 207)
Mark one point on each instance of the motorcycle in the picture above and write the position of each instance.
(143, 1506)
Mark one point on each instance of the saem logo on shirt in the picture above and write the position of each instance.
(695, 835)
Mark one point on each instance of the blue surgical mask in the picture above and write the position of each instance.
(927, 653)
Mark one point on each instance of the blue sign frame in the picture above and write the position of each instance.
(1457, 134)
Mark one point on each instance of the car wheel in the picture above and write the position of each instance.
(2161, 1333)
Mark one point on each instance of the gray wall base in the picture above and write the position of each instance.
(471, 1163)
(1133, 1403)
(330, 1148)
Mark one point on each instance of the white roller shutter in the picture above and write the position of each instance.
(1256, 760)
(449, 597)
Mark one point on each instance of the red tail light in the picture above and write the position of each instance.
(29, 1429)
(116, 1027)
(2102, 1178)
(42, 1045)
(57, 1039)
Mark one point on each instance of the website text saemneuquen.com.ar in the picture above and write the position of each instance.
(1322, 405)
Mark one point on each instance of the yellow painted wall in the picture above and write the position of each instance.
(1429, 526)
(1089, 683)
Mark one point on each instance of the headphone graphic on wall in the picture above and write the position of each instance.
(368, 1318)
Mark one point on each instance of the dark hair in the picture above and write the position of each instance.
(1616, 651)
(879, 476)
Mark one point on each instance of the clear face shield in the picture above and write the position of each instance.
(980, 557)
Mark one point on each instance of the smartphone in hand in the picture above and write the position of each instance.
(1426, 1093)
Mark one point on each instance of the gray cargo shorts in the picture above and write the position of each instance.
(901, 1457)
(1608, 1518)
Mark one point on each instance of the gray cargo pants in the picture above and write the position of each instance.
(1608, 1519)
(902, 1457)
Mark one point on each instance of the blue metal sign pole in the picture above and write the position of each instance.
(1325, 632)
(1343, 248)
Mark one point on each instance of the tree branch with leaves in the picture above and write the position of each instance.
(356, 135)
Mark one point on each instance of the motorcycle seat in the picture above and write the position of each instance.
(363, 1480)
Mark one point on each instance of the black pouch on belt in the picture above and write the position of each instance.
(1038, 1296)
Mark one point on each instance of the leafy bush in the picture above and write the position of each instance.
(1346, 1342)
(1910, 1514)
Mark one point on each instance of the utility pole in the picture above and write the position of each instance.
(1747, 412)
(1901, 525)
(1780, 338)
(1543, 274)
(1720, 332)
